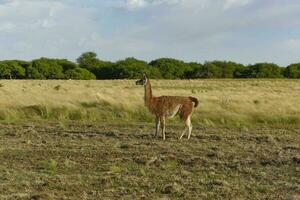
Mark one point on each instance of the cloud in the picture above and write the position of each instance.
(43, 28)
(242, 30)
(132, 4)
(291, 44)
(137, 4)
(235, 3)
(7, 27)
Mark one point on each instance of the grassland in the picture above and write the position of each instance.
(238, 103)
(94, 140)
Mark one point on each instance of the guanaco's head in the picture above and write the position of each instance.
(143, 81)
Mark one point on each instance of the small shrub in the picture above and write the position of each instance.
(256, 102)
(77, 114)
(58, 87)
(36, 110)
(50, 166)
(115, 169)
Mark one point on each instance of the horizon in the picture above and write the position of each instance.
(242, 31)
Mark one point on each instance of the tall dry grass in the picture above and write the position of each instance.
(222, 102)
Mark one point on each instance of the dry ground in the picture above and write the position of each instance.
(124, 161)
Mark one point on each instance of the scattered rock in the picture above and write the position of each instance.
(188, 161)
(267, 138)
(250, 161)
(79, 136)
(214, 148)
(154, 160)
(140, 160)
(168, 189)
(104, 181)
(265, 162)
(295, 197)
(91, 135)
(296, 159)
(172, 188)
(234, 165)
(218, 183)
(172, 157)
(289, 147)
(200, 137)
(40, 197)
(11, 134)
(185, 173)
(212, 154)
(215, 137)
(110, 134)
(65, 135)
(35, 197)
(203, 195)
(274, 162)
(124, 146)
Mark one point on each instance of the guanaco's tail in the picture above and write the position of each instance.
(195, 100)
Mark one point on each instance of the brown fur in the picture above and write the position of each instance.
(168, 106)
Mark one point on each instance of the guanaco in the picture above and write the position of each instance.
(168, 106)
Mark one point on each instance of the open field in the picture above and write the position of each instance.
(107, 161)
(238, 103)
(94, 140)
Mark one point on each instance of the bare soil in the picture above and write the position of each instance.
(117, 161)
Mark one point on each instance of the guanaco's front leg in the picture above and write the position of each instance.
(162, 126)
(157, 123)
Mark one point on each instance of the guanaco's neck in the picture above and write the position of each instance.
(148, 94)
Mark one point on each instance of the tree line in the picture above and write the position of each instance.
(88, 66)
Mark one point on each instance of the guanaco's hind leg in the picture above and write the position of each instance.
(162, 126)
(190, 127)
(185, 129)
(187, 126)
(157, 123)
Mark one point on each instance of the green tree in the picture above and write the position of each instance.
(264, 70)
(106, 70)
(228, 69)
(193, 70)
(48, 68)
(131, 68)
(244, 72)
(66, 64)
(88, 60)
(170, 68)
(208, 70)
(11, 69)
(292, 71)
(33, 73)
(79, 74)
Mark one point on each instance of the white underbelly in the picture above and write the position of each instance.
(173, 112)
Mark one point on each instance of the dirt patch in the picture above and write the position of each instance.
(104, 161)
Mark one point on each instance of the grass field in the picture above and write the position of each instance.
(94, 140)
(238, 103)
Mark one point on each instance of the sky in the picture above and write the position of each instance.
(245, 31)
